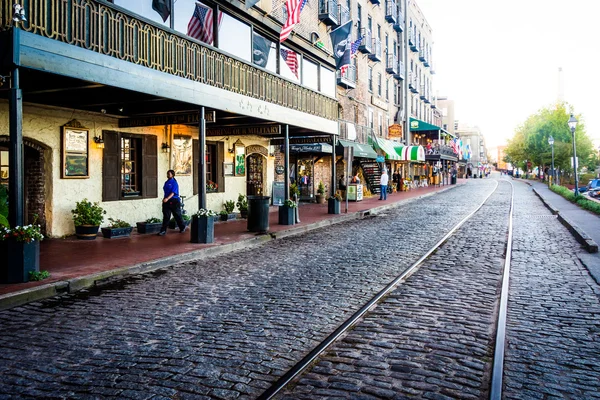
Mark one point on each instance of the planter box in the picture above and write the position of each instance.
(333, 206)
(321, 198)
(202, 230)
(86, 232)
(17, 259)
(111, 233)
(144, 227)
(287, 215)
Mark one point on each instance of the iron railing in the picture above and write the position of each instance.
(98, 27)
(362, 132)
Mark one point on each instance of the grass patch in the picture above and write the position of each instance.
(581, 201)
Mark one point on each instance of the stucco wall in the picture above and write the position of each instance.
(44, 125)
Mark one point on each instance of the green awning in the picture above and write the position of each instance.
(410, 153)
(387, 146)
(416, 125)
(360, 149)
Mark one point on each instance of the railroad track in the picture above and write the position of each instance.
(495, 389)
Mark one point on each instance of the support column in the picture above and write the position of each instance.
(15, 158)
(202, 166)
(333, 174)
(286, 163)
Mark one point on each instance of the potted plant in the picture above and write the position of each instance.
(19, 252)
(294, 191)
(333, 204)
(151, 225)
(242, 205)
(87, 217)
(321, 193)
(223, 215)
(287, 212)
(116, 229)
(229, 206)
(203, 226)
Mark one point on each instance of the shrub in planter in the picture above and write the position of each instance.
(321, 193)
(151, 225)
(223, 215)
(287, 213)
(334, 203)
(117, 228)
(19, 252)
(87, 217)
(203, 226)
(242, 205)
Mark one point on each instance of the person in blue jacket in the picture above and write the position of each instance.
(171, 204)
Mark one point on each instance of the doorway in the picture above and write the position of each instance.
(254, 175)
(305, 178)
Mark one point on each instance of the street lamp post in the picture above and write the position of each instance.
(572, 125)
(551, 143)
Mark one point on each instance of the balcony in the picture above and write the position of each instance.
(412, 82)
(426, 61)
(376, 2)
(423, 95)
(347, 79)
(400, 74)
(391, 11)
(376, 53)
(399, 24)
(412, 42)
(96, 29)
(366, 46)
(328, 12)
(343, 14)
(424, 56)
(392, 64)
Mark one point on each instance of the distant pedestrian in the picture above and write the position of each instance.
(383, 184)
(171, 204)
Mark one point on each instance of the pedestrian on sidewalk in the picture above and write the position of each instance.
(383, 184)
(171, 204)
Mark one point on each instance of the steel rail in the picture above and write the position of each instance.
(350, 322)
(498, 366)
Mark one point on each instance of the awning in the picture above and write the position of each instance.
(311, 148)
(387, 146)
(411, 153)
(416, 125)
(360, 149)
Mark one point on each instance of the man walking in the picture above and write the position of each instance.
(383, 184)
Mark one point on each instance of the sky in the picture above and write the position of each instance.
(499, 61)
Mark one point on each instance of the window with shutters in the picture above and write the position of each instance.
(130, 166)
(215, 156)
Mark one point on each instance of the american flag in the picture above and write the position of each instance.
(293, 17)
(355, 45)
(201, 24)
(291, 59)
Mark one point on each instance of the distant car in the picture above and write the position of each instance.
(594, 192)
(592, 184)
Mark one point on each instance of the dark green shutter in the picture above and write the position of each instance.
(196, 163)
(220, 170)
(150, 167)
(111, 166)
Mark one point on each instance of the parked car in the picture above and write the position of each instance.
(594, 192)
(592, 184)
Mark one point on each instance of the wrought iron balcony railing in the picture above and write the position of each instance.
(392, 64)
(376, 53)
(328, 12)
(96, 26)
(360, 133)
(347, 78)
(400, 74)
(412, 41)
(391, 11)
(399, 24)
(343, 14)
(366, 46)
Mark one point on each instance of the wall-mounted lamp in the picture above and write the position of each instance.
(19, 13)
(99, 142)
(165, 147)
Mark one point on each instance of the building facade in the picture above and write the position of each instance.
(473, 140)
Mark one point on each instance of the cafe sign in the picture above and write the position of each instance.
(395, 131)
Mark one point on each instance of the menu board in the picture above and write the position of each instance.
(75, 148)
(278, 193)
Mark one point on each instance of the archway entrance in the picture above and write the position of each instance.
(256, 169)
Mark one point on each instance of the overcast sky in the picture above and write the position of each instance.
(499, 60)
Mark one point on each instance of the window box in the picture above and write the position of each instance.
(147, 227)
(131, 194)
(112, 233)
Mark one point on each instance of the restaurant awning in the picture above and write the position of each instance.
(360, 149)
(387, 146)
(416, 125)
(411, 153)
(311, 148)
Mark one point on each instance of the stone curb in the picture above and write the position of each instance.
(73, 285)
(583, 238)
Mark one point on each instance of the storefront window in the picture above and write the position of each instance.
(263, 53)
(160, 13)
(328, 82)
(234, 37)
(289, 64)
(310, 74)
(195, 19)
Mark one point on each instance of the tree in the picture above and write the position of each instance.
(530, 142)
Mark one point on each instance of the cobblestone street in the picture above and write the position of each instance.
(228, 327)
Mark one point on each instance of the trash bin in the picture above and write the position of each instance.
(258, 213)
(453, 180)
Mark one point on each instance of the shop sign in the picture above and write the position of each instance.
(279, 170)
(380, 159)
(167, 119)
(395, 131)
(379, 103)
(414, 124)
(245, 130)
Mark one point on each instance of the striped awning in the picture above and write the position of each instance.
(387, 146)
(411, 153)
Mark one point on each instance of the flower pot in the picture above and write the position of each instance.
(333, 206)
(202, 229)
(321, 198)
(145, 227)
(223, 217)
(111, 233)
(287, 215)
(244, 213)
(86, 232)
(17, 259)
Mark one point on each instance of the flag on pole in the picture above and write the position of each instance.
(340, 38)
(293, 17)
(163, 8)
(201, 24)
(291, 59)
(261, 50)
(354, 47)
